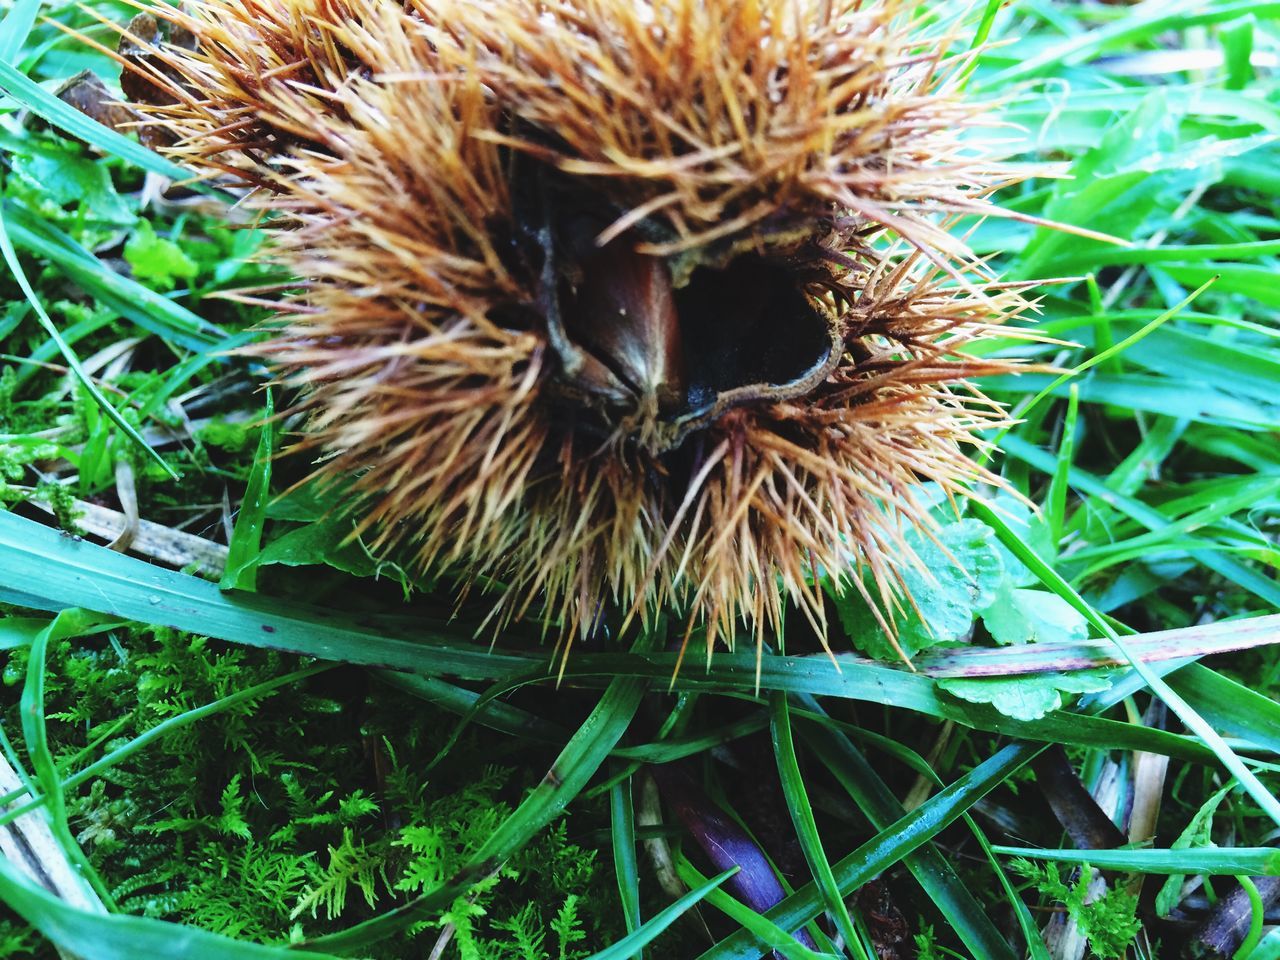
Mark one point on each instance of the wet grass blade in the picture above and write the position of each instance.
(634, 942)
(1250, 861)
(801, 811)
(1194, 722)
(1230, 706)
(67, 118)
(935, 875)
(768, 933)
(11, 258)
(622, 827)
(245, 544)
(885, 849)
(1235, 571)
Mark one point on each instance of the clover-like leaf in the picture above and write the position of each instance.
(1018, 615)
(958, 574)
(1027, 697)
(156, 259)
(65, 177)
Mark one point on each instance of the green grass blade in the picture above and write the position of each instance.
(1056, 508)
(159, 731)
(245, 544)
(634, 942)
(70, 120)
(1194, 722)
(34, 731)
(885, 849)
(146, 308)
(760, 926)
(95, 936)
(1104, 355)
(40, 567)
(1230, 706)
(1268, 949)
(801, 811)
(1152, 519)
(1251, 861)
(11, 258)
(935, 875)
(622, 828)
(16, 27)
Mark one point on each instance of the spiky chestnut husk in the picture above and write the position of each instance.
(518, 225)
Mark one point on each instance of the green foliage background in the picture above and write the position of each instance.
(343, 808)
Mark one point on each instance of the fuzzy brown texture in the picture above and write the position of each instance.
(392, 145)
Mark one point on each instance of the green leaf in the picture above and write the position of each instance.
(66, 178)
(125, 296)
(1019, 616)
(1183, 710)
(958, 575)
(1026, 698)
(156, 259)
(321, 541)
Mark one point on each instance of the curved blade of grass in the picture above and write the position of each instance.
(1171, 254)
(622, 829)
(1194, 722)
(149, 310)
(1036, 947)
(1231, 707)
(1268, 949)
(31, 709)
(932, 871)
(67, 118)
(632, 943)
(801, 811)
(96, 936)
(16, 27)
(885, 849)
(241, 571)
(1101, 356)
(1152, 519)
(1251, 861)
(11, 258)
(1171, 16)
(769, 933)
(1220, 504)
(41, 567)
(1055, 509)
(496, 715)
(575, 765)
